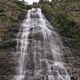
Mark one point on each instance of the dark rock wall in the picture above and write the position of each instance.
(69, 31)
(12, 13)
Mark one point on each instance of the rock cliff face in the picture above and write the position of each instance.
(40, 50)
(67, 29)
(12, 13)
(71, 57)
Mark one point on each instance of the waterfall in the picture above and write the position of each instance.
(39, 50)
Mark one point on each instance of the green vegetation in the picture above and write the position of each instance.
(64, 15)
(12, 13)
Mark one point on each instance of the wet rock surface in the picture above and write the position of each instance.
(7, 63)
(72, 60)
(39, 50)
(39, 62)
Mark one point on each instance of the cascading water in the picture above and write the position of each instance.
(39, 48)
(22, 44)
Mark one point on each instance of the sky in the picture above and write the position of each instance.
(31, 1)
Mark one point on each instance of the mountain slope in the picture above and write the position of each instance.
(12, 13)
(66, 19)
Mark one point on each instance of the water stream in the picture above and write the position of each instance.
(39, 50)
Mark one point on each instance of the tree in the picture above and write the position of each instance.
(44, 1)
(41, 1)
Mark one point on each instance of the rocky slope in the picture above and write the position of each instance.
(65, 17)
(12, 13)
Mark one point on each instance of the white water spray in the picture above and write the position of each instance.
(39, 47)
